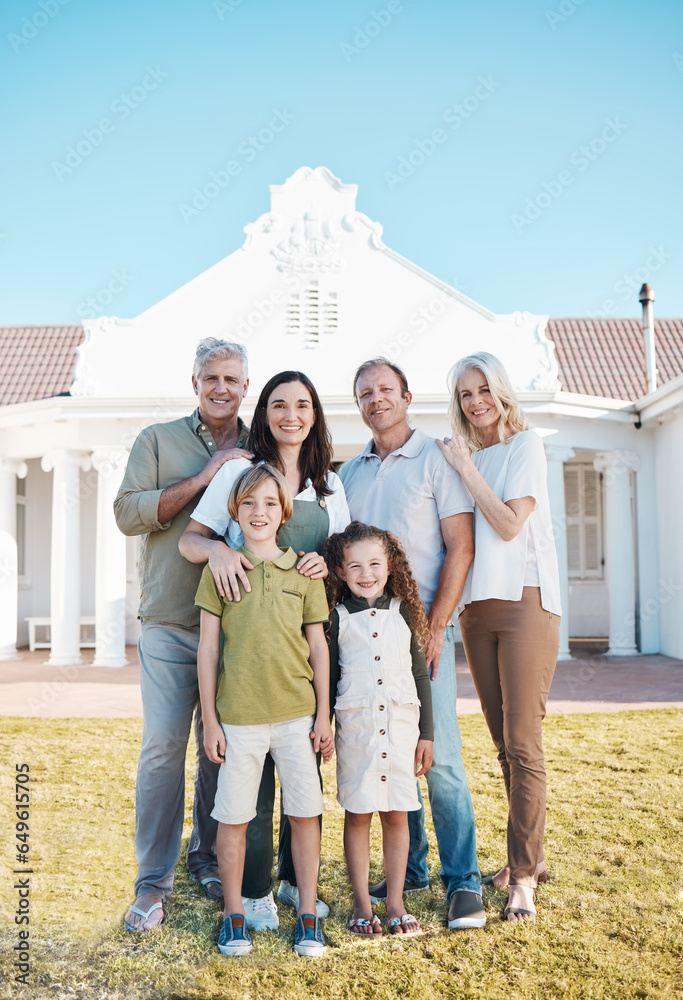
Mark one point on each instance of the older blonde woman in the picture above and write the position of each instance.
(511, 616)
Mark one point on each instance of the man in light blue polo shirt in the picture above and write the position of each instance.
(401, 483)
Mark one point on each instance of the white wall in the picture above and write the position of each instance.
(588, 609)
(669, 487)
(34, 598)
(132, 590)
(649, 559)
(88, 496)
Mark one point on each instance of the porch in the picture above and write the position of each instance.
(592, 682)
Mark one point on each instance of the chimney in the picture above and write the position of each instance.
(647, 297)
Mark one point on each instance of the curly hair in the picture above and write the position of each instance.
(400, 584)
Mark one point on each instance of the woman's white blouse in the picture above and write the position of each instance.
(212, 509)
(501, 569)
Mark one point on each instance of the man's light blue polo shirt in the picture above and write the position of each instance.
(409, 493)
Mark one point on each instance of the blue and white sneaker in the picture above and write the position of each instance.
(234, 937)
(308, 938)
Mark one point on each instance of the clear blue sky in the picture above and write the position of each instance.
(558, 75)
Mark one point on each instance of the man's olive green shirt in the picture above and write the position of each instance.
(163, 455)
(266, 675)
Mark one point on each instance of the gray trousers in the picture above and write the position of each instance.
(170, 700)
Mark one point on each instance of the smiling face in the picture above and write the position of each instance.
(366, 569)
(381, 405)
(290, 413)
(260, 513)
(220, 387)
(476, 401)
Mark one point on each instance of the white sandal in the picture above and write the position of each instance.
(145, 916)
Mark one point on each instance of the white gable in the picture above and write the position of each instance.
(313, 288)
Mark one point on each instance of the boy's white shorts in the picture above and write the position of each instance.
(239, 776)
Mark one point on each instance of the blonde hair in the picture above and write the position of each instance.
(250, 479)
(512, 417)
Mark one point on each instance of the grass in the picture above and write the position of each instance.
(609, 924)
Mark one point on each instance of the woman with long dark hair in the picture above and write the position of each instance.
(289, 432)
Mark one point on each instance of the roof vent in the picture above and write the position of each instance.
(646, 298)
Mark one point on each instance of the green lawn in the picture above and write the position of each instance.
(609, 923)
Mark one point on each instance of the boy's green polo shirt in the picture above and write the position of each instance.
(266, 676)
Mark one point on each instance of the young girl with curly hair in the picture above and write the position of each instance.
(383, 708)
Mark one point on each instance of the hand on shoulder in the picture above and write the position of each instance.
(456, 451)
(222, 469)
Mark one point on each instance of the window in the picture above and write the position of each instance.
(330, 320)
(294, 313)
(311, 314)
(583, 504)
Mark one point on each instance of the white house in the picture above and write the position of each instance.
(314, 288)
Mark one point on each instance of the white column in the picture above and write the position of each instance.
(110, 565)
(557, 455)
(65, 561)
(620, 561)
(9, 580)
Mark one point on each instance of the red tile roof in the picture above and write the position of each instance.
(606, 357)
(37, 361)
(596, 357)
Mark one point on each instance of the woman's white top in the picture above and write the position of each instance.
(212, 509)
(502, 569)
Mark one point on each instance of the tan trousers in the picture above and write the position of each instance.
(511, 649)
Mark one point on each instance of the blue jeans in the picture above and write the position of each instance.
(449, 793)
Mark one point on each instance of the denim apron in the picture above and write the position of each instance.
(307, 528)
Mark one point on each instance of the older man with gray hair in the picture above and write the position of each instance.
(170, 466)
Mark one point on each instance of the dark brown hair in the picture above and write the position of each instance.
(377, 363)
(400, 584)
(315, 458)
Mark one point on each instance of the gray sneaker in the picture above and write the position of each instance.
(466, 911)
(289, 895)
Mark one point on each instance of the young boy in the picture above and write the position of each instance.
(272, 695)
